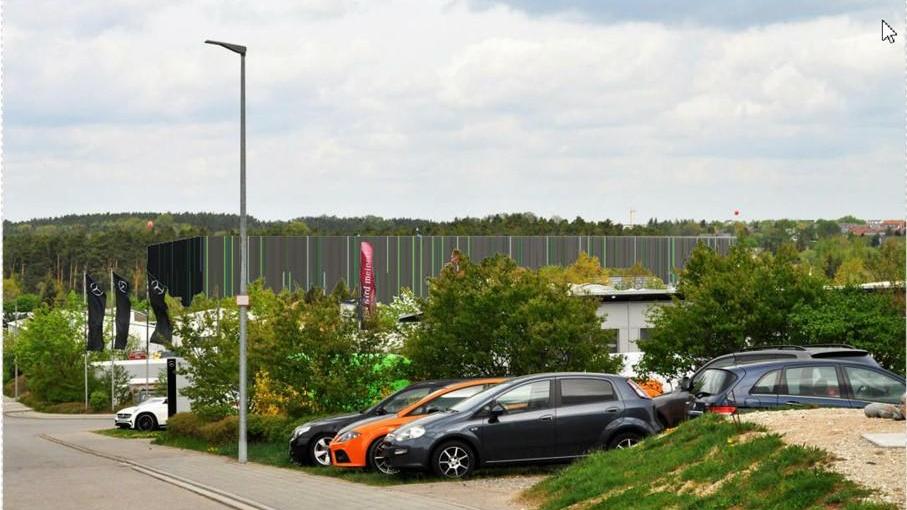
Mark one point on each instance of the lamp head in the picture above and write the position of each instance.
(235, 48)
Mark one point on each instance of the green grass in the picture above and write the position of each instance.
(129, 433)
(706, 463)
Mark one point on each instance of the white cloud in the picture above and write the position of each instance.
(434, 109)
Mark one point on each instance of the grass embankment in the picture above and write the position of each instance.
(704, 463)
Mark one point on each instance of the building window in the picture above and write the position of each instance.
(611, 338)
(644, 333)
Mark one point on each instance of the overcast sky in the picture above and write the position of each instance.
(437, 109)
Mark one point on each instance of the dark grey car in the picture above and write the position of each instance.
(530, 419)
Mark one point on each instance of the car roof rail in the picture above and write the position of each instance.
(777, 347)
(841, 346)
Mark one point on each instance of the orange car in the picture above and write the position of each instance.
(356, 446)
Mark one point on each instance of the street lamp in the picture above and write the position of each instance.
(243, 298)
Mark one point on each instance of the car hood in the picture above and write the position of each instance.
(338, 420)
(434, 419)
(127, 410)
(359, 423)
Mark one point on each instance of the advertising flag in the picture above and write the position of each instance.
(163, 331)
(97, 302)
(121, 288)
(366, 278)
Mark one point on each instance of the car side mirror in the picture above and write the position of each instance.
(495, 412)
(686, 384)
(431, 409)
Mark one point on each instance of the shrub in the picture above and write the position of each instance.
(99, 399)
(66, 408)
(224, 430)
(270, 428)
(185, 424)
(496, 318)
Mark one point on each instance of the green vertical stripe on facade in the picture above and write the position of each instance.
(398, 265)
(261, 257)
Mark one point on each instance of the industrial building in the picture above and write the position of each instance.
(210, 265)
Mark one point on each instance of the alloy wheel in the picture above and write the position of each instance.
(628, 442)
(321, 452)
(145, 423)
(454, 462)
(381, 464)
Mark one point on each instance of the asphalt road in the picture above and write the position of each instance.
(39, 474)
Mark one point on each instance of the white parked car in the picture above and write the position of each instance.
(148, 415)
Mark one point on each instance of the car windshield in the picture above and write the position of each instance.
(712, 382)
(404, 398)
(474, 400)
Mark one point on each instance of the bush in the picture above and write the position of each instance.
(99, 399)
(224, 430)
(270, 429)
(66, 408)
(185, 424)
(496, 318)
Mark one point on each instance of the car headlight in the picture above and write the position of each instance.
(414, 432)
(347, 436)
(300, 430)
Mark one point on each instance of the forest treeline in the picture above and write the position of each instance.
(45, 257)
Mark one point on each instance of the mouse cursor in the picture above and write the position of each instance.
(888, 33)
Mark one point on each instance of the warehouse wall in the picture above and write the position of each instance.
(211, 264)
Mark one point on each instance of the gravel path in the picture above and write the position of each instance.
(839, 431)
(491, 493)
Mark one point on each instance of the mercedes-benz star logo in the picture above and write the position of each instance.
(95, 289)
(156, 287)
(123, 286)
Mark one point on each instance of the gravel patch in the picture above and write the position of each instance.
(839, 431)
(486, 493)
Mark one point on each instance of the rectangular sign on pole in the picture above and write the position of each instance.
(171, 386)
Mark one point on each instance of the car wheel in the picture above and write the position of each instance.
(145, 423)
(319, 451)
(377, 460)
(625, 440)
(453, 460)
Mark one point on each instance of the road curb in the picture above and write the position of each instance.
(225, 498)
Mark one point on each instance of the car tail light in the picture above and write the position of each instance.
(726, 410)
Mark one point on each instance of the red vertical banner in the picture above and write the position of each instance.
(366, 278)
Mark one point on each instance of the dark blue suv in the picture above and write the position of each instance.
(809, 383)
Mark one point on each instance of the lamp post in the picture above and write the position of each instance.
(243, 298)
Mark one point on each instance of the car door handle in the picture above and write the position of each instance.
(547, 417)
(612, 410)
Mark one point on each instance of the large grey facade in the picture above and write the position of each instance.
(210, 265)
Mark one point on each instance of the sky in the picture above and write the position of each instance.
(452, 108)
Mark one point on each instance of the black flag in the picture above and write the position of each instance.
(97, 302)
(163, 332)
(124, 309)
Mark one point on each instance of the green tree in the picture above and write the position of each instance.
(495, 318)
(852, 272)
(729, 303)
(889, 265)
(50, 351)
(869, 320)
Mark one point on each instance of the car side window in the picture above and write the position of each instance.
(405, 398)
(585, 391)
(444, 402)
(528, 397)
(812, 382)
(874, 386)
(767, 384)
